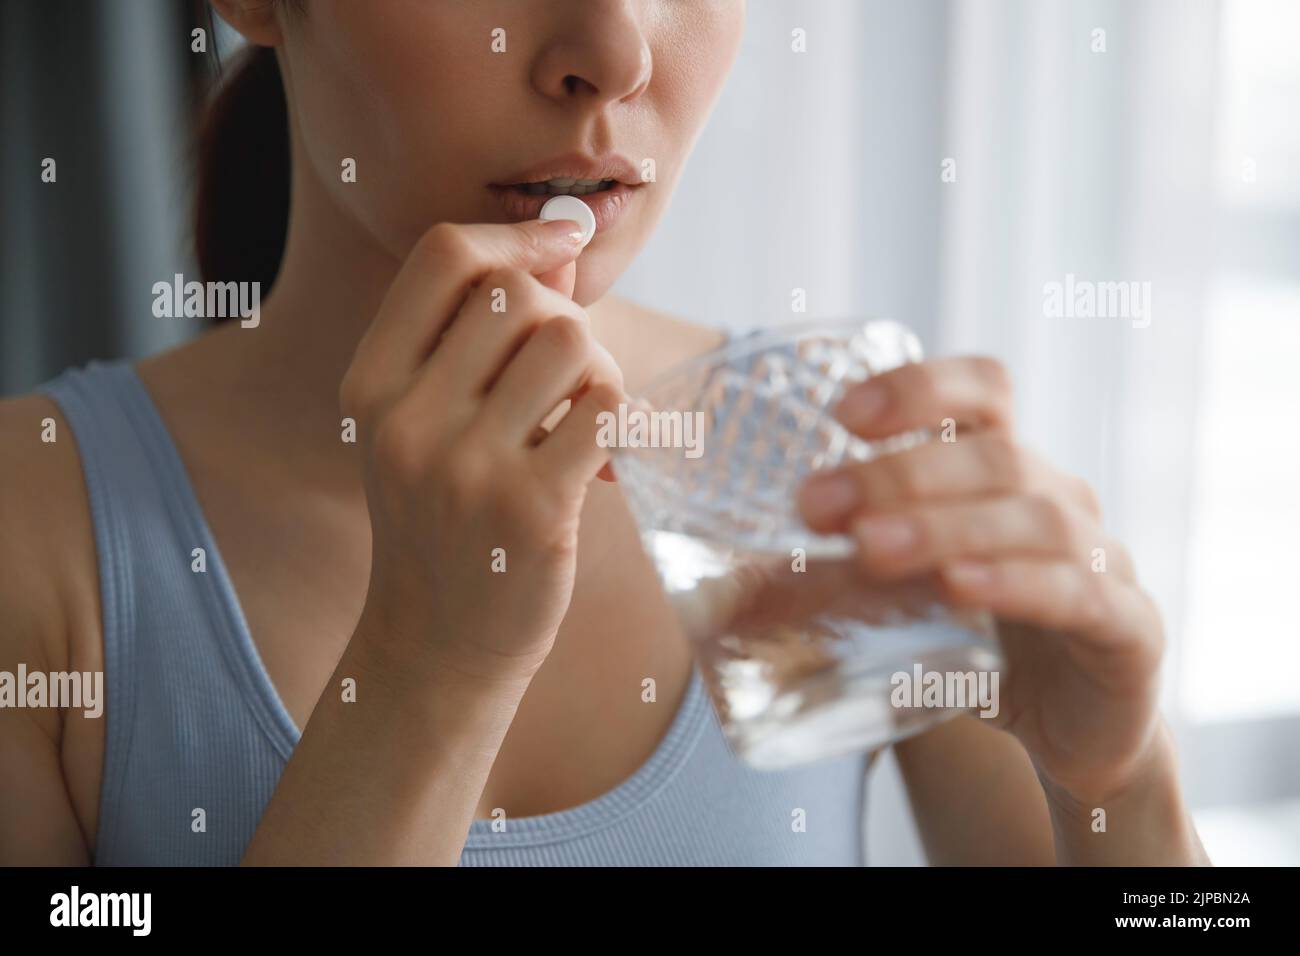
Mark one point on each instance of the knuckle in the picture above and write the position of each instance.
(904, 481)
(604, 396)
(537, 518)
(1088, 497)
(444, 243)
(995, 377)
(928, 536)
(1057, 523)
(1095, 605)
(466, 478)
(1158, 644)
(1120, 556)
(567, 333)
(921, 381)
(354, 394)
(993, 373)
(605, 368)
(1005, 461)
(531, 246)
(972, 534)
(518, 285)
(1150, 609)
(399, 450)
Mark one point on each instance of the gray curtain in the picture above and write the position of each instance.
(106, 90)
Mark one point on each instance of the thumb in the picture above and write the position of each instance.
(560, 279)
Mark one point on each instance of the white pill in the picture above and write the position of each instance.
(570, 207)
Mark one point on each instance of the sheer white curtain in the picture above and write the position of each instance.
(1084, 142)
(1087, 139)
(1129, 164)
(807, 175)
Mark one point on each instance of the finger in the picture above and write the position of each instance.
(907, 543)
(436, 278)
(572, 451)
(1054, 595)
(559, 360)
(974, 391)
(979, 465)
(492, 326)
(562, 279)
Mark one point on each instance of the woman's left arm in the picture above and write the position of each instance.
(1001, 529)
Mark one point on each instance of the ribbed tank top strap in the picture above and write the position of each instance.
(116, 470)
(192, 718)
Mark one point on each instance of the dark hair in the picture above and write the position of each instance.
(241, 209)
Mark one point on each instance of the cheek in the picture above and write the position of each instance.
(696, 50)
(384, 85)
(408, 90)
(695, 47)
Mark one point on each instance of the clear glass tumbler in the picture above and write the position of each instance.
(803, 658)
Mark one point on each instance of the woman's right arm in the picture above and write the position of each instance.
(448, 391)
(43, 594)
(394, 777)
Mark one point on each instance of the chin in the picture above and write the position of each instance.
(590, 284)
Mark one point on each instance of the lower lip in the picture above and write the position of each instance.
(607, 205)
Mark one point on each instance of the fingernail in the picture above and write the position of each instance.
(563, 228)
(970, 574)
(570, 208)
(886, 534)
(862, 403)
(825, 498)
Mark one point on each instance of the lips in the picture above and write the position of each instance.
(607, 184)
(575, 166)
(568, 186)
(607, 205)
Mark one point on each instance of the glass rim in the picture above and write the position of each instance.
(756, 340)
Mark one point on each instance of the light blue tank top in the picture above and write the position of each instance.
(193, 721)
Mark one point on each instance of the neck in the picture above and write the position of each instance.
(332, 279)
(331, 282)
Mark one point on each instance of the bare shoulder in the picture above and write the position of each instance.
(49, 586)
(50, 759)
(647, 341)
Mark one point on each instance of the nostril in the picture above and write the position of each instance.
(574, 83)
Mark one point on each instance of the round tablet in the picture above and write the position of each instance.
(570, 207)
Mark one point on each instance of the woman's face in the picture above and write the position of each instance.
(446, 106)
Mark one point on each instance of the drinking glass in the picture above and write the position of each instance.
(803, 656)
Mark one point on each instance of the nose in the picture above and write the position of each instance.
(598, 54)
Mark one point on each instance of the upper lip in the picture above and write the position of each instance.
(576, 166)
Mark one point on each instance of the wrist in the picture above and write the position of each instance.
(1115, 787)
(1141, 820)
(410, 665)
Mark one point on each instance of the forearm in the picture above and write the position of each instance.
(392, 778)
(975, 796)
(1144, 824)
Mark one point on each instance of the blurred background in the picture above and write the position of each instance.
(936, 161)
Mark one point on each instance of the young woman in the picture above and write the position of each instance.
(307, 656)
